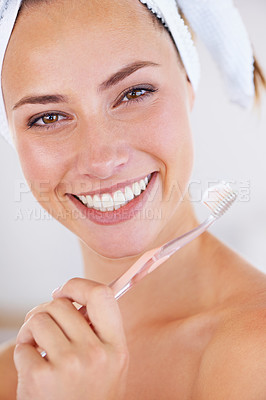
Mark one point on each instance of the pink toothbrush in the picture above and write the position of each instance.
(218, 198)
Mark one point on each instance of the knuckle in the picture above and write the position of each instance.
(28, 315)
(60, 302)
(18, 350)
(101, 291)
(34, 311)
(67, 285)
(109, 292)
(72, 281)
(39, 318)
(31, 313)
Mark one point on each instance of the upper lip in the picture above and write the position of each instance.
(113, 188)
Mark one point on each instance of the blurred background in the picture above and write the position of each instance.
(37, 254)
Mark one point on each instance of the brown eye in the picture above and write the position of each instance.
(49, 119)
(134, 94)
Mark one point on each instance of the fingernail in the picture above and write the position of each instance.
(56, 291)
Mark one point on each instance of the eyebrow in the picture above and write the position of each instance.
(111, 81)
(125, 72)
(45, 99)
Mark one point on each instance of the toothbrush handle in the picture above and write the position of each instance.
(136, 272)
(153, 258)
(176, 244)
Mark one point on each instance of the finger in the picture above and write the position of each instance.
(35, 310)
(43, 331)
(27, 358)
(101, 305)
(72, 322)
(105, 316)
(71, 289)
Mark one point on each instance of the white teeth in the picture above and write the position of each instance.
(129, 195)
(119, 199)
(136, 188)
(89, 201)
(107, 200)
(142, 184)
(83, 199)
(97, 204)
(113, 201)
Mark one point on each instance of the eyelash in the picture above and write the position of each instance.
(148, 92)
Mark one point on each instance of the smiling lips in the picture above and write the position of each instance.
(113, 201)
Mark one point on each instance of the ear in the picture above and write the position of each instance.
(190, 93)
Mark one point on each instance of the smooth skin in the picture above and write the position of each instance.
(195, 328)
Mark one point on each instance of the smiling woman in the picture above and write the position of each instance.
(102, 117)
(93, 126)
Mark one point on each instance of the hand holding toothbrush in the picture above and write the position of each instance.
(80, 362)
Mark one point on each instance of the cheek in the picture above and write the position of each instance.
(165, 133)
(43, 166)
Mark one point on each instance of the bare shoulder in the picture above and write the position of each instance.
(233, 365)
(8, 375)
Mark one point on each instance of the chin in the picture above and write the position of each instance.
(117, 247)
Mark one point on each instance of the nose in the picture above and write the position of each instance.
(101, 152)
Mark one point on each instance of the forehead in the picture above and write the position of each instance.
(91, 33)
(57, 20)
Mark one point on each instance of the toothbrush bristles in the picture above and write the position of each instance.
(219, 198)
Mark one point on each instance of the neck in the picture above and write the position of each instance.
(105, 270)
(171, 282)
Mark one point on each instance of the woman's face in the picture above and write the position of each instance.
(97, 100)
